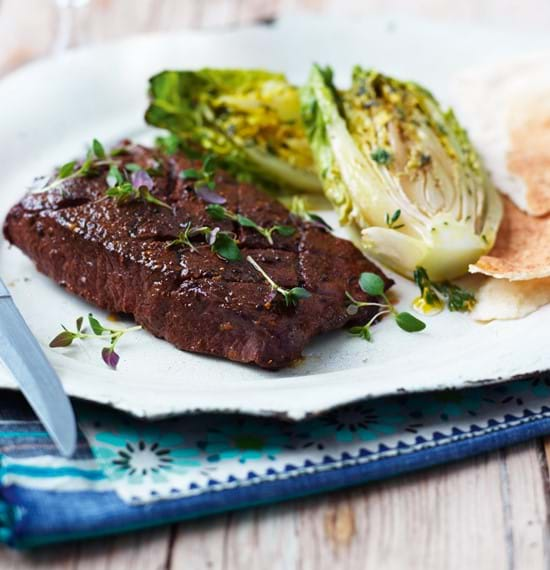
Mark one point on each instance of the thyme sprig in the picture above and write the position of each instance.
(204, 180)
(373, 285)
(184, 237)
(217, 212)
(298, 208)
(95, 157)
(108, 353)
(125, 182)
(291, 296)
(203, 175)
(433, 295)
(125, 188)
(222, 243)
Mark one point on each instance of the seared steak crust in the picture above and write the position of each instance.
(116, 257)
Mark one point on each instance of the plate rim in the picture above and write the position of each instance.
(123, 43)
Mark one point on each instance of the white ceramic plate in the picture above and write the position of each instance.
(50, 110)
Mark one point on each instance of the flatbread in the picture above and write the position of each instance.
(506, 110)
(522, 248)
(518, 267)
(504, 299)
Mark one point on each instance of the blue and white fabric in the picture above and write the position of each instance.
(129, 474)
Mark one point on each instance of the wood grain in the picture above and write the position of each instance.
(491, 512)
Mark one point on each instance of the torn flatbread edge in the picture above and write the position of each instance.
(485, 98)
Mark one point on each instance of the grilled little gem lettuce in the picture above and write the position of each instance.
(393, 162)
(249, 118)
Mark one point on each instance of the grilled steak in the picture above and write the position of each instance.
(116, 257)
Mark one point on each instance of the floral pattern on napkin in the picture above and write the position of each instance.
(190, 455)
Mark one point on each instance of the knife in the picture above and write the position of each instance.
(38, 381)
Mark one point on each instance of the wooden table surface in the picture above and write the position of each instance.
(491, 512)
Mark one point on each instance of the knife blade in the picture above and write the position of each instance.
(22, 355)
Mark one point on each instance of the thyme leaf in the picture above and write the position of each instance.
(190, 174)
(391, 221)
(362, 332)
(114, 176)
(226, 247)
(64, 338)
(206, 194)
(372, 284)
(110, 357)
(66, 170)
(98, 150)
(409, 323)
(381, 156)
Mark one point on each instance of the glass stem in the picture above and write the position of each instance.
(64, 27)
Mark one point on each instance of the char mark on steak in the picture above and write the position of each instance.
(116, 257)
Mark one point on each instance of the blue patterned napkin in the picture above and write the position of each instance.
(129, 474)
